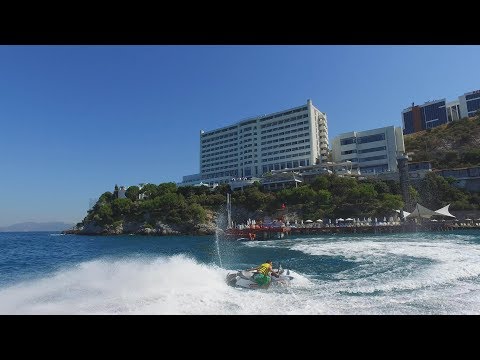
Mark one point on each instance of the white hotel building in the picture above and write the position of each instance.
(285, 139)
(374, 151)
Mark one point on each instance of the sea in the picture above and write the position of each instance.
(408, 273)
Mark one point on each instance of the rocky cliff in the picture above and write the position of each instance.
(122, 228)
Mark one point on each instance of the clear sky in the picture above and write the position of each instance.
(76, 120)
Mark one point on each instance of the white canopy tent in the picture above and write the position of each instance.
(422, 212)
(444, 212)
(405, 213)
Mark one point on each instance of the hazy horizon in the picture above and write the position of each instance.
(29, 225)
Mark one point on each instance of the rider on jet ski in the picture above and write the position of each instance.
(262, 277)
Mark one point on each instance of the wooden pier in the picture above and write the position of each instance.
(259, 233)
(256, 233)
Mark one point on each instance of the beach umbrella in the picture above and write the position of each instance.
(349, 219)
(308, 221)
(319, 220)
(340, 219)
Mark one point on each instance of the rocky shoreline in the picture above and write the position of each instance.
(134, 228)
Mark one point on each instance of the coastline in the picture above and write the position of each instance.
(208, 230)
(133, 228)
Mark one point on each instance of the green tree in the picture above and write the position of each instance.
(255, 199)
(104, 215)
(166, 188)
(451, 157)
(188, 191)
(222, 189)
(341, 186)
(169, 202)
(461, 204)
(472, 157)
(381, 187)
(323, 198)
(132, 193)
(299, 195)
(215, 200)
(320, 183)
(389, 203)
(106, 197)
(121, 207)
(150, 191)
(361, 199)
(196, 213)
(435, 192)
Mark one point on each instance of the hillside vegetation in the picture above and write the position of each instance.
(454, 145)
(166, 208)
(329, 196)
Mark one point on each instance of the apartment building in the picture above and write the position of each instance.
(374, 151)
(426, 116)
(469, 103)
(438, 112)
(251, 147)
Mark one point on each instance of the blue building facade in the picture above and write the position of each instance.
(426, 116)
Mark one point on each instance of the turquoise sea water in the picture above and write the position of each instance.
(423, 273)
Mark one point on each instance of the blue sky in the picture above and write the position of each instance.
(76, 120)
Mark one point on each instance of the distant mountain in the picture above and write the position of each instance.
(33, 226)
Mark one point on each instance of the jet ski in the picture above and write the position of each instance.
(244, 279)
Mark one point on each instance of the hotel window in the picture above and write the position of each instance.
(347, 141)
(370, 138)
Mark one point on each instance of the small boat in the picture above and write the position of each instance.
(244, 279)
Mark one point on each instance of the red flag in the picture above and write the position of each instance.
(283, 206)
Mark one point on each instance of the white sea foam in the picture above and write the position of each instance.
(411, 275)
(173, 285)
(405, 276)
